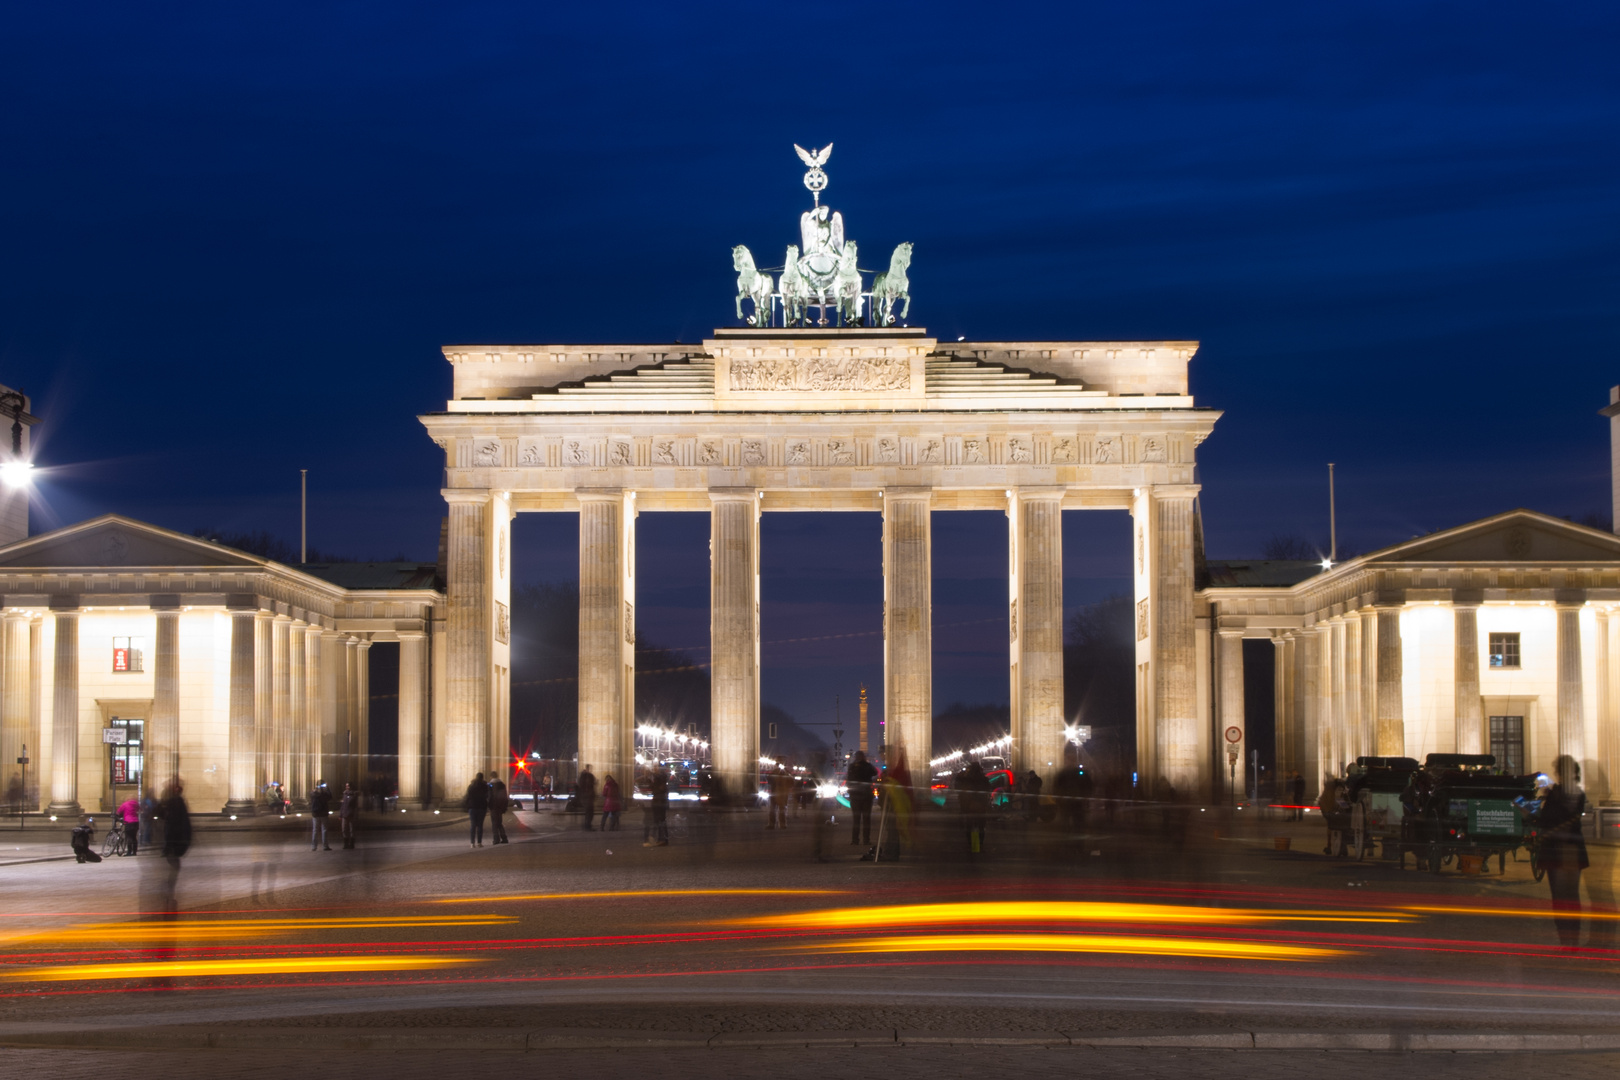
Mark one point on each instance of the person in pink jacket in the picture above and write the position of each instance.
(130, 813)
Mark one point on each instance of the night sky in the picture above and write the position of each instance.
(235, 236)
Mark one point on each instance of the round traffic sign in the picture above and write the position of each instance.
(1234, 734)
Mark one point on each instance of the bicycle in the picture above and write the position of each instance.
(114, 843)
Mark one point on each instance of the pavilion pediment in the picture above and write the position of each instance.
(1518, 536)
(118, 541)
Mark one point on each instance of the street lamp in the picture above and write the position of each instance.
(15, 471)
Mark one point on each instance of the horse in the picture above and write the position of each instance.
(752, 284)
(849, 286)
(891, 286)
(795, 290)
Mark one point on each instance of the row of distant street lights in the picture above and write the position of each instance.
(975, 752)
(657, 740)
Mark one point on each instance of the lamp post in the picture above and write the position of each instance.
(16, 468)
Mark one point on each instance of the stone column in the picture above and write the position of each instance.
(1354, 746)
(333, 680)
(362, 712)
(1469, 708)
(468, 596)
(264, 700)
(1391, 717)
(1336, 695)
(297, 711)
(1327, 752)
(1609, 727)
(607, 688)
(1571, 715)
(1307, 706)
(908, 629)
(1282, 702)
(1367, 722)
(1036, 624)
(279, 744)
(34, 783)
(1599, 780)
(1229, 659)
(352, 748)
(14, 704)
(310, 766)
(412, 648)
(734, 640)
(1175, 684)
(65, 710)
(163, 734)
(243, 744)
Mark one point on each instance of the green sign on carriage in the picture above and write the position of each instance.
(1493, 817)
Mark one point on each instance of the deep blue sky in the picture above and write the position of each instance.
(234, 237)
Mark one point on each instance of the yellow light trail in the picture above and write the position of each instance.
(1049, 911)
(1438, 909)
(298, 965)
(1078, 943)
(126, 933)
(641, 892)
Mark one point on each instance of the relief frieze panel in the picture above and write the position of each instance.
(866, 373)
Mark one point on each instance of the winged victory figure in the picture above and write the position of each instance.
(814, 159)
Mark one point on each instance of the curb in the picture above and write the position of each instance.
(519, 1039)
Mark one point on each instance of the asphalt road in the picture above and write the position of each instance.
(576, 944)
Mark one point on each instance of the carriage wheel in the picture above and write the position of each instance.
(1358, 824)
(1336, 843)
(1537, 871)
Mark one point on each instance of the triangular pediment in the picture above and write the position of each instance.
(113, 541)
(1518, 536)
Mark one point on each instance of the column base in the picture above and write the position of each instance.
(241, 808)
(65, 809)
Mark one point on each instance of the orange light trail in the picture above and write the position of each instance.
(1528, 913)
(641, 892)
(1079, 943)
(296, 965)
(236, 929)
(1049, 911)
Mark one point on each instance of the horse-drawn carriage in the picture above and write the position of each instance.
(1456, 806)
(1373, 795)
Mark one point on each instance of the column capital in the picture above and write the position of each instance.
(1174, 491)
(602, 494)
(362, 644)
(64, 603)
(1229, 631)
(734, 494)
(280, 618)
(164, 601)
(1569, 599)
(891, 493)
(478, 496)
(1029, 494)
(1467, 598)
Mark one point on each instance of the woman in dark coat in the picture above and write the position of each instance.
(499, 803)
(1563, 849)
(477, 808)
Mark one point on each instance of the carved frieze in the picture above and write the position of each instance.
(753, 451)
(840, 452)
(1064, 450)
(503, 623)
(888, 448)
(867, 373)
(1020, 451)
(487, 453)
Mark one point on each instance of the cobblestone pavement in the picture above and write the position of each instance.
(851, 1064)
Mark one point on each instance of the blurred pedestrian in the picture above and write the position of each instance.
(477, 808)
(176, 817)
(660, 806)
(500, 801)
(973, 803)
(348, 810)
(585, 793)
(778, 789)
(130, 814)
(1030, 784)
(858, 780)
(148, 812)
(1298, 790)
(1563, 848)
(612, 803)
(320, 808)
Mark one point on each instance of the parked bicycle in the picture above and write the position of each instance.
(114, 843)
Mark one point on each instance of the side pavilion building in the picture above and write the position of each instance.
(227, 669)
(1501, 636)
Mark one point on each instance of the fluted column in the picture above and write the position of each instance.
(362, 712)
(469, 653)
(1571, 714)
(1337, 694)
(243, 737)
(1391, 714)
(14, 703)
(351, 746)
(1282, 704)
(264, 700)
(277, 748)
(1229, 644)
(1609, 704)
(297, 711)
(1354, 747)
(33, 783)
(1035, 540)
(734, 638)
(314, 706)
(908, 629)
(607, 701)
(333, 681)
(65, 710)
(1599, 781)
(1307, 706)
(412, 648)
(1327, 754)
(163, 734)
(1468, 707)
(1367, 720)
(1179, 750)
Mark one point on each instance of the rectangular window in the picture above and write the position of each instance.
(129, 654)
(1504, 651)
(129, 758)
(1507, 741)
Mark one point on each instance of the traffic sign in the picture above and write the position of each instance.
(114, 735)
(1234, 734)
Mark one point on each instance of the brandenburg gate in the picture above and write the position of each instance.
(793, 414)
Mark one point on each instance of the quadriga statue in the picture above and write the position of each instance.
(892, 285)
(752, 284)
